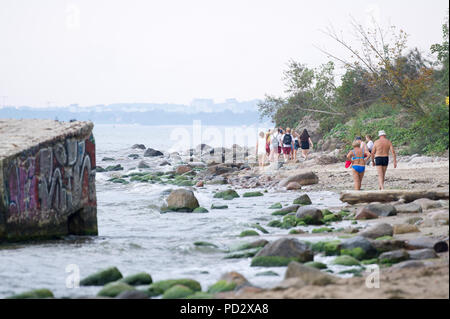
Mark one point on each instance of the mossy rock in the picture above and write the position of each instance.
(177, 292)
(267, 273)
(276, 206)
(186, 183)
(329, 248)
(228, 198)
(205, 243)
(249, 232)
(295, 231)
(114, 288)
(326, 212)
(315, 264)
(163, 285)
(229, 194)
(141, 278)
(252, 194)
(243, 253)
(356, 252)
(355, 272)
(213, 206)
(271, 261)
(119, 181)
(221, 286)
(256, 244)
(260, 228)
(102, 277)
(200, 295)
(274, 223)
(200, 210)
(303, 200)
(33, 294)
(344, 213)
(322, 230)
(386, 237)
(280, 213)
(369, 261)
(332, 218)
(346, 260)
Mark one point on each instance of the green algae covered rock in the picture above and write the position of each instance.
(329, 248)
(200, 295)
(200, 210)
(316, 264)
(33, 294)
(161, 286)
(356, 252)
(141, 278)
(177, 292)
(276, 206)
(249, 232)
(221, 286)
(346, 260)
(271, 261)
(114, 288)
(229, 194)
(102, 277)
(252, 194)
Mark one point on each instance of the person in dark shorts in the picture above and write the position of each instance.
(380, 157)
(287, 144)
(305, 143)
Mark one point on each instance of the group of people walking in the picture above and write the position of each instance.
(365, 152)
(274, 143)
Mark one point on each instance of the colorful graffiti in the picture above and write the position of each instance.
(56, 178)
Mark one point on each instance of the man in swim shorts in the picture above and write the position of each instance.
(380, 157)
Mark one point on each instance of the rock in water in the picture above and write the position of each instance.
(378, 230)
(394, 256)
(303, 179)
(143, 164)
(102, 277)
(303, 200)
(150, 152)
(289, 248)
(379, 210)
(182, 200)
(138, 146)
(360, 242)
(132, 294)
(315, 213)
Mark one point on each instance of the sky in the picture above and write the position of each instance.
(89, 52)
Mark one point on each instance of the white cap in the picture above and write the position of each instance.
(380, 133)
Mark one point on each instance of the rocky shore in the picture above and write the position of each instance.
(405, 240)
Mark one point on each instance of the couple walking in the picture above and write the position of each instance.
(379, 152)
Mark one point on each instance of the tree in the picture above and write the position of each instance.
(442, 52)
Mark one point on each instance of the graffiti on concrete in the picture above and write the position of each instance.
(59, 178)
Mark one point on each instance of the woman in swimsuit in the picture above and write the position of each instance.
(358, 157)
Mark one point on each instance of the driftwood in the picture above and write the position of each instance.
(354, 197)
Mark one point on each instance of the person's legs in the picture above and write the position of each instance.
(355, 179)
(384, 168)
(303, 153)
(361, 176)
(306, 154)
(380, 177)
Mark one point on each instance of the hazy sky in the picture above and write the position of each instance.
(100, 52)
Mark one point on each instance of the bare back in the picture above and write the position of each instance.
(381, 147)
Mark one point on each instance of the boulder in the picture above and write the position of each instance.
(303, 200)
(102, 277)
(362, 214)
(236, 278)
(133, 156)
(439, 215)
(288, 248)
(286, 210)
(138, 146)
(293, 186)
(405, 228)
(426, 203)
(379, 210)
(113, 289)
(303, 179)
(220, 169)
(33, 294)
(177, 292)
(138, 279)
(309, 275)
(426, 253)
(388, 244)
(182, 200)
(143, 164)
(394, 256)
(378, 230)
(183, 169)
(315, 213)
(218, 180)
(410, 208)
(360, 242)
(150, 152)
